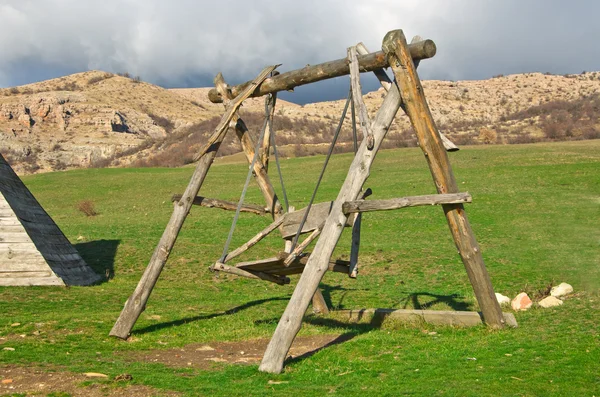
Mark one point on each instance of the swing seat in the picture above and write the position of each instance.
(275, 266)
(317, 215)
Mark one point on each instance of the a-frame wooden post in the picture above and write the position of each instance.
(136, 303)
(395, 47)
(317, 264)
(416, 108)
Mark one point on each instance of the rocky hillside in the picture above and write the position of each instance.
(101, 119)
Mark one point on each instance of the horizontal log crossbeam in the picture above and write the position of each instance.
(313, 73)
(223, 204)
(350, 207)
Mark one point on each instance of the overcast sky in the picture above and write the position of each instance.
(184, 43)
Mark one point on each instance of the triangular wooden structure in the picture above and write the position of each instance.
(327, 221)
(33, 250)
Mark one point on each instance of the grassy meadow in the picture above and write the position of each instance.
(535, 212)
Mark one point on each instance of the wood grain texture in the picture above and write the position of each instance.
(404, 202)
(313, 73)
(357, 98)
(33, 249)
(222, 204)
(434, 317)
(431, 143)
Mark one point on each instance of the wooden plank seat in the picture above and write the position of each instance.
(274, 270)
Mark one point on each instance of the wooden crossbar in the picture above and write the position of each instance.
(360, 206)
(313, 73)
(222, 204)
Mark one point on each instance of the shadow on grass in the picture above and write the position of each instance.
(450, 300)
(100, 256)
(353, 329)
(175, 323)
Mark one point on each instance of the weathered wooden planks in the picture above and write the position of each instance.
(33, 249)
(318, 212)
(404, 202)
(434, 317)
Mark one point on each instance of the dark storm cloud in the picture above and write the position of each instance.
(184, 43)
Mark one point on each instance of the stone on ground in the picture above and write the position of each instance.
(550, 301)
(561, 290)
(521, 302)
(502, 300)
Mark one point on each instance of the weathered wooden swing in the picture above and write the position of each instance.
(324, 221)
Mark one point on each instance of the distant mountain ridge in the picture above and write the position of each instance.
(101, 119)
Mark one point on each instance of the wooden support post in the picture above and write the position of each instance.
(317, 264)
(265, 150)
(318, 303)
(136, 303)
(430, 142)
(355, 246)
(359, 103)
(386, 83)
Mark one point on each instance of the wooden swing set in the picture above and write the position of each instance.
(323, 222)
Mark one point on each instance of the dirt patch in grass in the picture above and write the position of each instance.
(39, 382)
(204, 356)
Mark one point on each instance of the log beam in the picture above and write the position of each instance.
(222, 204)
(313, 73)
(361, 206)
(430, 142)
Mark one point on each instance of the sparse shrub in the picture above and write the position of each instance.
(97, 79)
(163, 122)
(14, 90)
(87, 207)
(487, 136)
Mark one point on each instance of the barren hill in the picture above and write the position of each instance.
(98, 119)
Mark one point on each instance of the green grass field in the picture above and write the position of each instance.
(535, 212)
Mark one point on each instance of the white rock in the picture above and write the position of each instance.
(521, 302)
(550, 301)
(502, 300)
(561, 290)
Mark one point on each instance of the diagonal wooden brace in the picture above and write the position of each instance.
(248, 147)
